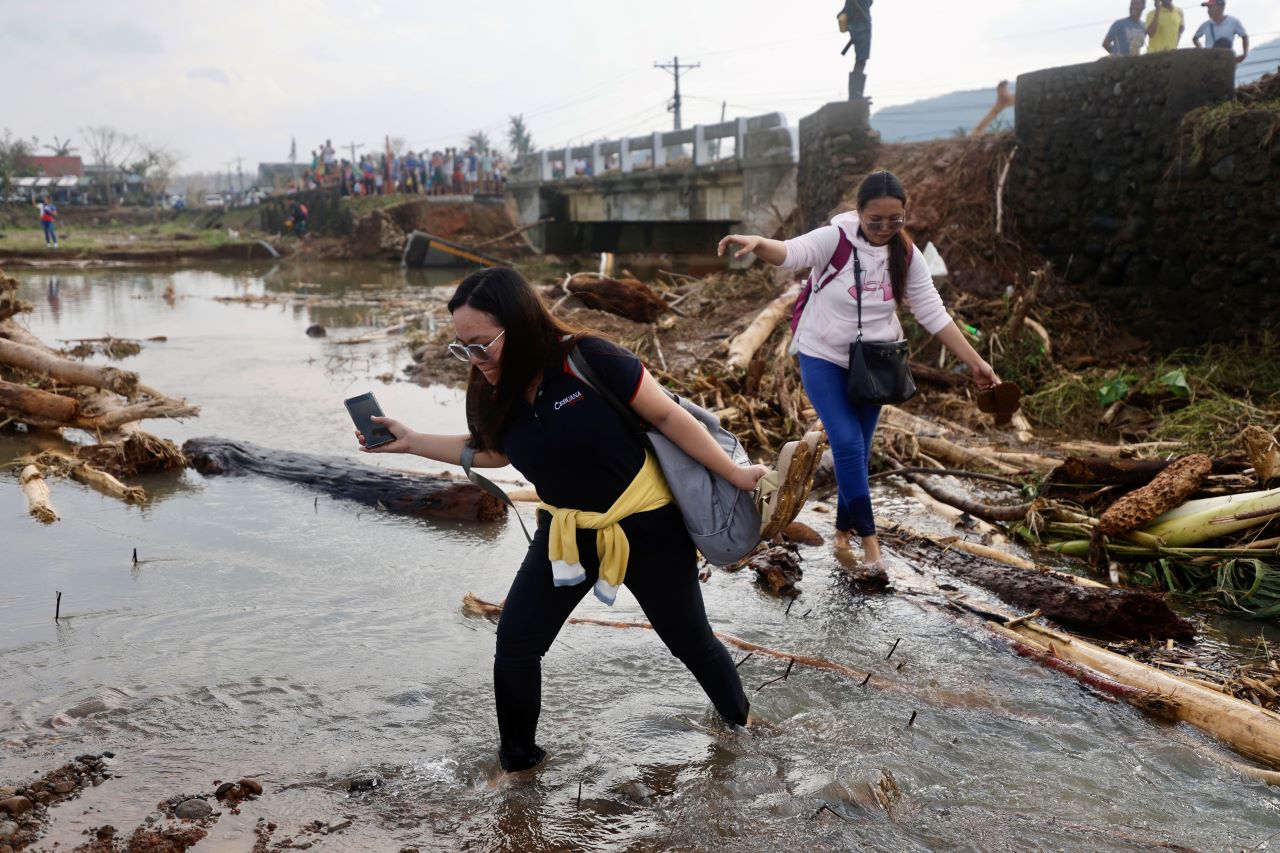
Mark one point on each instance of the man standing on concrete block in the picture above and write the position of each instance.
(1164, 26)
(1221, 30)
(857, 18)
(1126, 35)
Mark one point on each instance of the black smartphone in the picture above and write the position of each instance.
(362, 408)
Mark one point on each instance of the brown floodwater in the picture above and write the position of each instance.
(308, 641)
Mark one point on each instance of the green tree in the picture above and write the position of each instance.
(14, 160)
(519, 138)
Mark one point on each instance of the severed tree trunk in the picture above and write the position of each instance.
(422, 495)
(743, 347)
(32, 404)
(68, 372)
(1170, 488)
(625, 297)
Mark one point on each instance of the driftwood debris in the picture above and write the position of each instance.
(422, 495)
(36, 491)
(1263, 451)
(1166, 490)
(991, 512)
(778, 569)
(68, 372)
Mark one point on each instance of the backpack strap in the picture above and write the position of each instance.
(839, 259)
(581, 368)
(488, 486)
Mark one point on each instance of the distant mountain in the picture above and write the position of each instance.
(947, 115)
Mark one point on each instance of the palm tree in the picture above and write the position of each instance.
(61, 147)
(479, 140)
(519, 138)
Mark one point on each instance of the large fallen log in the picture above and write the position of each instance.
(1246, 728)
(66, 371)
(422, 495)
(23, 403)
(990, 512)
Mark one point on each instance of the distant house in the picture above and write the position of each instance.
(57, 167)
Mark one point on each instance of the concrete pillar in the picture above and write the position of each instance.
(568, 161)
(659, 153)
(700, 153)
(597, 159)
(740, 139)
(625, 155)
(544, 166)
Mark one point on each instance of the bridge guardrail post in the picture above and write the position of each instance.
(740, 139)
(544, 166)
(700, 151)
(624, 157)
(659, 153)
(597, 159)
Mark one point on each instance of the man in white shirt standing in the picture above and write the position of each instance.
(1221, 29)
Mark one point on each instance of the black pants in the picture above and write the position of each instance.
(663, 576)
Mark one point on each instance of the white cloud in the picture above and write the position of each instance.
(241, 78)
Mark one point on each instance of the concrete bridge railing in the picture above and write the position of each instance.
(665, 191)
(663, 148)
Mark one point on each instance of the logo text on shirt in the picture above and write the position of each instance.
(575, 397)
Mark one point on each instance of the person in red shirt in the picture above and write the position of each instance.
(48, 216)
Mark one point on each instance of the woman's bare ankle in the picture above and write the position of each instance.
(840, 541)
(870, 548)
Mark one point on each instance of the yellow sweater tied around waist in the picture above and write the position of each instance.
(647, 491)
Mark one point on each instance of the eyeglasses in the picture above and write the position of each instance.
(479, 352)
(885, 224)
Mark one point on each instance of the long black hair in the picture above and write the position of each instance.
(885, 184)
(533, 339)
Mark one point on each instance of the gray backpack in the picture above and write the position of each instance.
(722, 520)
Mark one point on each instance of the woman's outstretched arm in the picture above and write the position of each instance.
(442, 448)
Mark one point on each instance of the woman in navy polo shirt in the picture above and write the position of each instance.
(603, 496)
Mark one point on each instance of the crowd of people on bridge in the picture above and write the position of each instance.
(1162, 27)
(453, 171)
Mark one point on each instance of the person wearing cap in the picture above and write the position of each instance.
(1221, 29)
(1164, 26)
(1126, 35)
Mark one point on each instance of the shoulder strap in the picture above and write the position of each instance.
(488, 486)
(583, 370)
(839, 258)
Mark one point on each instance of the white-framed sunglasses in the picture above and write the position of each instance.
(479, 352)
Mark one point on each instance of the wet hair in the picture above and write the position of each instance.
(533, 339)
(885, 184)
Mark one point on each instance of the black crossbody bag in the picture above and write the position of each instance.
(878, 370)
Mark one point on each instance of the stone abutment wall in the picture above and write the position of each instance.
(1154, 191)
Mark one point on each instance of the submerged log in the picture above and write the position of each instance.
(1097, 610)
(1246, 728)
(422, 495)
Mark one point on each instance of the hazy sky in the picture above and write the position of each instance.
(217, 80)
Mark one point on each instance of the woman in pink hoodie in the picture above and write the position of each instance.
(894, 273)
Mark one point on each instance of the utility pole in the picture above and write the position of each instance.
(352, 146)
(240, 171)
(674, 69)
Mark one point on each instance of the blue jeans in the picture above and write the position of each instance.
(849, 429)
(50, 236)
